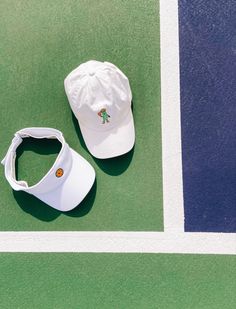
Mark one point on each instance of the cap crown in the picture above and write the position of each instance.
(99, 94)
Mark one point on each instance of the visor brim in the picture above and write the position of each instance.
(75, 187)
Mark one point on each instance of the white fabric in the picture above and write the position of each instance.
(92, 87)
(117, 142)
(62, 193)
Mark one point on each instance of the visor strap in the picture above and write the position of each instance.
(9, 162)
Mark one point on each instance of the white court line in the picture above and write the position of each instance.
(173, 240)
(171, 124)
(118, 242)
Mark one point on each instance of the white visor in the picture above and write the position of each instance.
(67, 182)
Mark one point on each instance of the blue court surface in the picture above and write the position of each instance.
(207, 31)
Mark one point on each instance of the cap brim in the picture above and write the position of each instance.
(111, 143)
(74, 189)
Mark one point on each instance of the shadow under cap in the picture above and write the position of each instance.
(117, 165)
(112, 166)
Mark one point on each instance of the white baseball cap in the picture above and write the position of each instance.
(66, 183)
(100, 97)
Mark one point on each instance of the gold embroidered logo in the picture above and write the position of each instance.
(59, 172)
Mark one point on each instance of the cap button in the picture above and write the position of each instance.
(91, 72)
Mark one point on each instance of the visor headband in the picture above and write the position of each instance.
(9, 159)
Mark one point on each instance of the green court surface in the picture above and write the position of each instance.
(41, 42)
(117, 281)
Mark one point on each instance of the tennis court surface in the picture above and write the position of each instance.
(157, 230)
(41, 43)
